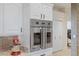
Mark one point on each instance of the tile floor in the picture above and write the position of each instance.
(65, 52)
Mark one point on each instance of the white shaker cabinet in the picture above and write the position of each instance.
(1, 19)
(47, 12)
(36, 11)
(41, 11)
(12, 19)
(57, 36)
(58, 31)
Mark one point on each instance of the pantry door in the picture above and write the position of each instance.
(58, 41)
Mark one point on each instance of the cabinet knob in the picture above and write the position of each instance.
(41, 16)
(21, 29)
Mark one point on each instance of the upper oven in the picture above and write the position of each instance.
(49, 38)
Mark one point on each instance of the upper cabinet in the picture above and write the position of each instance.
(47, 12)
(12, 19)
(1, 19)
(41, 11)
(36, 11)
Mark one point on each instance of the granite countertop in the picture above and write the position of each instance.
(8, 53)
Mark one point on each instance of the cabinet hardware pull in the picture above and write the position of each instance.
(21, 29)
(44, 16)
(41, 16)
(43, 54)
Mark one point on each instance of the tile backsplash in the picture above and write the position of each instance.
(6, 43)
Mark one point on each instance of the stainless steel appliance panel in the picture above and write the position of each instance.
(41, 34)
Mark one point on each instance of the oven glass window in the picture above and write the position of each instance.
(37, 38)
(48, 37)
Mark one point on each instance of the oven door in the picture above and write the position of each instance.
(35, 39)
(49, 37)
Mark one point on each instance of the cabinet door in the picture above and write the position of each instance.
(57, 36)
(36, 11)
(1, 19)
(47, 12)
(12, 19)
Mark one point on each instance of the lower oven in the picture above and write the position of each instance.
(35, 39)
(49, 37)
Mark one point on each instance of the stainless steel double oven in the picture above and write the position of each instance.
(40, 34)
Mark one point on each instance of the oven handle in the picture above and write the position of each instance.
(41, 31)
